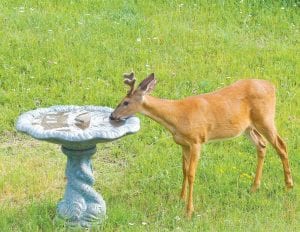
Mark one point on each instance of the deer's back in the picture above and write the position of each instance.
(250, 91)
(249, 88)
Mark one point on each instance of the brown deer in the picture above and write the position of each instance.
(247, 106)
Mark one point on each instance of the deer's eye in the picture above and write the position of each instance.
(125, 103)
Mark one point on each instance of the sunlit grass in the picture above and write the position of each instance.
(74, 52)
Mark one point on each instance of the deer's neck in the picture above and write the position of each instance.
(162, 111)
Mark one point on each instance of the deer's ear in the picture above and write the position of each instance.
(147, 85)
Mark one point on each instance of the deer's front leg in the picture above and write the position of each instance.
(194, 157)
(185, 168)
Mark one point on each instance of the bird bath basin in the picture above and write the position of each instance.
(77, 129)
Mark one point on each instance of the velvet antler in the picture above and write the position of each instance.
(129, 79)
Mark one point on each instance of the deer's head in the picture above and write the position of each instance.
(132, 102)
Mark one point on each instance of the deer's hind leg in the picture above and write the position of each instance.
(260, 145)
(268, 130)
(281, 149)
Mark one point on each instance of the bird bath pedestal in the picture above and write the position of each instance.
(77, 129)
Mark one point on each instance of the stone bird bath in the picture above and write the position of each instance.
(77, 129)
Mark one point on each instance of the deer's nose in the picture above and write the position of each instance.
(111, 117)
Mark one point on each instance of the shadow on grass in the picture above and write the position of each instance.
(36, 216)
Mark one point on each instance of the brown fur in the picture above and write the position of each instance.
(247, 106)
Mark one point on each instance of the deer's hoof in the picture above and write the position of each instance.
(182, 197)
(254, 188)
(189, 213)
(289, 186)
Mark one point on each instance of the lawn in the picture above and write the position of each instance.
(75, 52)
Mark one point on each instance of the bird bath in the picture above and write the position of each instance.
(77, 129)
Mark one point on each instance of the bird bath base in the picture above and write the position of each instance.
(81, 205)
(78, 129)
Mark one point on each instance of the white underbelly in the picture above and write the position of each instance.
(216, 139)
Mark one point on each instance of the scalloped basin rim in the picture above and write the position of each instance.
(97, 132)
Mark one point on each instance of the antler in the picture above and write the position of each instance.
(129, 80)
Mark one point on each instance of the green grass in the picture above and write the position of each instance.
(74, 52)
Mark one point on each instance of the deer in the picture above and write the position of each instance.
(244, 107)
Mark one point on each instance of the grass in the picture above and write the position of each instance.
(74, 52)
